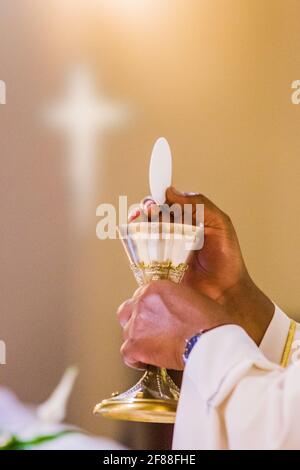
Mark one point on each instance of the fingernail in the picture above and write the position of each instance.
(146, 199)
(134, 214)
(149, 203)
(185, 193)
(191, 194)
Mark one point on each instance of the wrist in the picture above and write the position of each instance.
(248, 307)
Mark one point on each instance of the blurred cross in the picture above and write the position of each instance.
(84, 118)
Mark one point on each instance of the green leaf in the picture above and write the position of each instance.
(14, 443)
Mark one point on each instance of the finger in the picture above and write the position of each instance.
(175, 196)
(150, 208)
(134, 214)
(147, 202)
(128, 355)
(144, 208)
(124, 312)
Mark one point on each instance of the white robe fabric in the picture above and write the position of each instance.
(235, 395)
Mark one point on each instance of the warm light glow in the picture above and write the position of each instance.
(136, 5)
(134, 8)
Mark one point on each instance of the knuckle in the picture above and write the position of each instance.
(226, 218)
(153, 287)
(125, 350)
(142, 300)
(139, 304)
(121, 307)
(137, 326)
(126, 331)
(119, 314)
(129, 353)
(199, 198)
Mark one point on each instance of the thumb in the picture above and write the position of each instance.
(212, 214)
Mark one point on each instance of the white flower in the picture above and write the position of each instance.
(53, 410)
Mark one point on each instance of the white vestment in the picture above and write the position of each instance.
(235, 395)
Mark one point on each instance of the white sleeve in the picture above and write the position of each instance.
(263, 410)
(234, 398)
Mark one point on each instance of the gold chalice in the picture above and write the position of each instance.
(156, 250)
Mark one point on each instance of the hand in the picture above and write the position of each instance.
(218, 270)
(160, 317)
(219, 265)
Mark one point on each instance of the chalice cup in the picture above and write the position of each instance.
(156, 250)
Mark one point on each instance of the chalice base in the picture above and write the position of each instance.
(152, 400)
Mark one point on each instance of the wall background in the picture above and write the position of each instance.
(215, 78)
